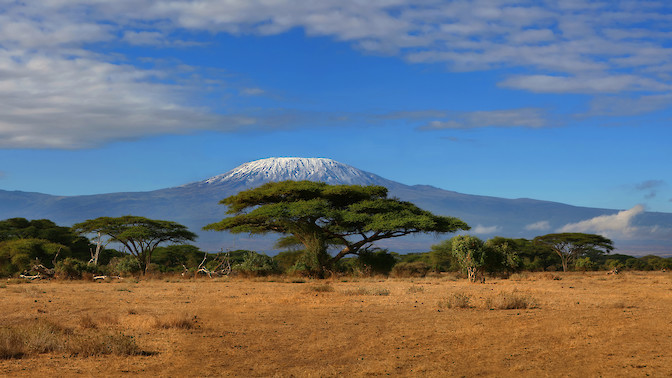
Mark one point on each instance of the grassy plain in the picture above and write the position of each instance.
(581, 325)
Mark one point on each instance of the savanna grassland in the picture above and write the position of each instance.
(573, 324)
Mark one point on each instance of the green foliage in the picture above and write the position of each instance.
(174, 257)
(379, 261)
(656, 262)
(71, 268)
(319, 215)
(286, 260)
(255, 264)
(17, 255)
(502, 255)
(470, 254)
(21, 228)
(410, 269)
(125, 266)
(441, 257)
(585, 264)
(571, 246)
(477, 257)
(106, 255)
(140, 236)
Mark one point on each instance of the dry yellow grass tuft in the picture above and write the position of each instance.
(175, 321)
(40, 337)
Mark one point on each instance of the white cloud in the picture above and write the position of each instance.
(566, 84)
(628, 105)
(54, 102)
(479, 229)
(526, 117)
(252, 91)
(143, 37)
(538, 226)
(617, 226)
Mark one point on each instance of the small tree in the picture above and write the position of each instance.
(139, 235)
(571, 246)
(477, 257)
(470, 254)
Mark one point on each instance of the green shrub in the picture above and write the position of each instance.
(256, 264)
(124, 266)
(380, 261)
(410, 269)
(70, 268)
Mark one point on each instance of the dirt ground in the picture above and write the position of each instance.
(581, 325)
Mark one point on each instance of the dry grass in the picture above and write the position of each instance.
(367, 291)
(175, 321)
(40, 337)
(322, 288)
(510, 301)
(457, 300)
(582, 324)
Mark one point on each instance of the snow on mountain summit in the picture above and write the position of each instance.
(297, 169)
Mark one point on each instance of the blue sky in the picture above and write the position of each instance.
(569, 101)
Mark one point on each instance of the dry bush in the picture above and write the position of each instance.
(86, 321)
(410, 269)
(92, 322)
(40, 336)
(322, 288)
(183, 321)
(530, 276)
(415, 289)
(524, 276)
(97, 345)
(510, 301)
(11, 344)
(365, 291)
(457, 300)
(551, 276)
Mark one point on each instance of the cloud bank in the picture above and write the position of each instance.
(57, 90)
(538, 226)
(616, 226)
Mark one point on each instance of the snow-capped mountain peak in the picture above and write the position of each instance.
(297, 169)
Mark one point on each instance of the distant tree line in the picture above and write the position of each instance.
(325, 229)
(24, 243)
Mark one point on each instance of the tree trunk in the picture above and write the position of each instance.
(471, 273)
(565, 263)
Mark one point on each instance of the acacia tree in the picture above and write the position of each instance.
(571, 246)
(319, 215)
(139, 235)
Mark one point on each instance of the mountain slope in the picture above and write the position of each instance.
(196, 204)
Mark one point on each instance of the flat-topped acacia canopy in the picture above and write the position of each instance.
(316, 213)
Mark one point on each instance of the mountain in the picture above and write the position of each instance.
(196, 204)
